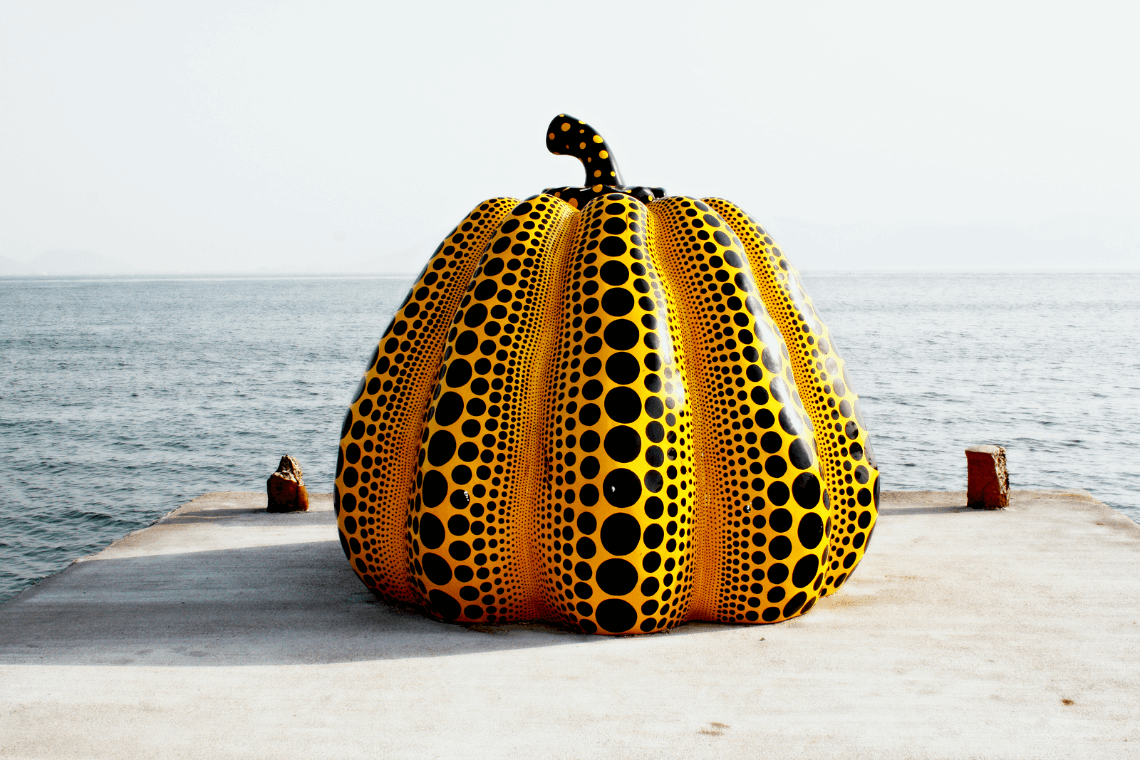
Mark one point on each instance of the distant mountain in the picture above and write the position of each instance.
(11, 268)
(66, 264)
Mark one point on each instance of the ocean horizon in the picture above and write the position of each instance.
(123, 397)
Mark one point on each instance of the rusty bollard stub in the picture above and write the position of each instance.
(287, 488)
(987, 478)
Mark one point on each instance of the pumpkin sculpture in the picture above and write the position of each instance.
(608, 409)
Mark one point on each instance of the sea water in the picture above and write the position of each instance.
(121, 399)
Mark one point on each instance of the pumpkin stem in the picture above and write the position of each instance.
(567, 136)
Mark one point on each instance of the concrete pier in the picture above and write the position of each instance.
(223, 631)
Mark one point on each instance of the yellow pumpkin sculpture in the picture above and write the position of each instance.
(590, 410)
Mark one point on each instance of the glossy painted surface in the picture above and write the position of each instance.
(572, 137)
(591, 416)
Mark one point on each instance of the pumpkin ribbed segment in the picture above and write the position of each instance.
(617, 527)
(587, 417)
(847, 459)
(473, 516)
(760, 513)
(377, 465)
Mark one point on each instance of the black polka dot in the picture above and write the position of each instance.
(805, 570)
(800, 454)
(794, 604)
(780, 547)
(590, 413)
(771, 442)
(431, 531)
(623, 444)
(352, 455)
(790, 421)
(436, 569)
(771, 359)
(468, 341)
(778, 572)
(459, 550)
(457, 525)
(810, 532)
(654, 456)
(780, 520)
(621, 334)
(623, 368)
(485, 291)
(612, 246)
(590, 441)
(587, 523)
(805, 490)
(588, 495)
(653, 481)
(654, 431)
(622, 488)
(654, 507)
(779, 389)
(441, 448)
(654, 535)
(586, 548)
(434, 488)
(620, 534)
(592, 390)
(445, 605)
(448, 408)
(616, 577)
(614, 226)
(775, 466)
(458, 373)
(623, 405)
(614, 273)
(475, 315)
(589, 467)
(617, 302)
(616, 615)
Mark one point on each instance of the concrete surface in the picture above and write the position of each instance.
(223, 631)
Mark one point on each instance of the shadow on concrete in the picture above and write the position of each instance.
(904, 511)
(284, 604)
(247, 517)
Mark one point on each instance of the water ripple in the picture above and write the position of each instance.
(121, 399)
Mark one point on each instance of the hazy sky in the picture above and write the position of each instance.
(324, 136)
